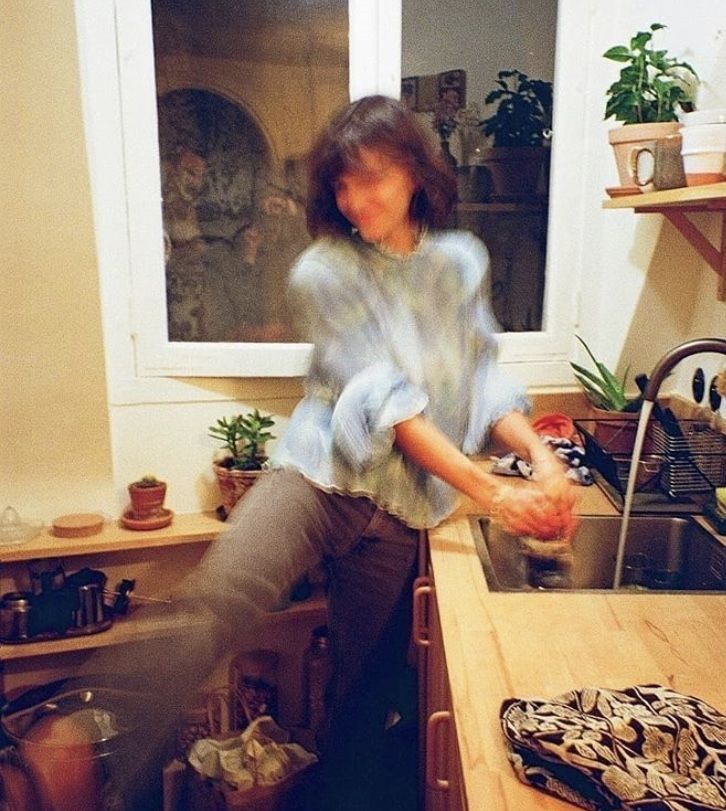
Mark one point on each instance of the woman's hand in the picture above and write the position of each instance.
(549, 515)
(549, 476)
(529, 510)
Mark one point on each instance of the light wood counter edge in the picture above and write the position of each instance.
(502, 645)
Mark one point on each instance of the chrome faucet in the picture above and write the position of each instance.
(674, 356)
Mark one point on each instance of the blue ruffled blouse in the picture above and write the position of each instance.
(394, 337)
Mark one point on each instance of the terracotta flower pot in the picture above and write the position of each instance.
(233, 484)
(615, 431)
(147, 500)
(627, 139)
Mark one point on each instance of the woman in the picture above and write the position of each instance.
(403, 384)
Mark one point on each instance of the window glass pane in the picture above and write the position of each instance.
(453, 56)
(242, 85)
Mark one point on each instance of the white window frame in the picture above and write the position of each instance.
(117, 72)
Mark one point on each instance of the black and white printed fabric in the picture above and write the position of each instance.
(643, 748)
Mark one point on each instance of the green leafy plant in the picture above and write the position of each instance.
(244, 437)
(652, 85)
(601, 387)
(523, 116)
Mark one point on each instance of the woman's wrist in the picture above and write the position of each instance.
(496, 503)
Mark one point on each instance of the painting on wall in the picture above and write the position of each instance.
(233, 222)
(424, 94)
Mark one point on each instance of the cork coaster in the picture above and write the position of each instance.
(77, 525)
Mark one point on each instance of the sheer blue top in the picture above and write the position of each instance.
(394, 337)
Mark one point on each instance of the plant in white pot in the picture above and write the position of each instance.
(520, 128)
(243, 439)
(651, 90)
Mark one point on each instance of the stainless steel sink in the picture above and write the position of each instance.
(662, 553)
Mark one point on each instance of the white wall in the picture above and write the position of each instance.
(644, 289)
(481, 37)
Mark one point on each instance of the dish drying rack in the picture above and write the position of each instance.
(677, 471)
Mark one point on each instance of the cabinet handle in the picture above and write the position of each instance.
(436, 721)
(421, 589)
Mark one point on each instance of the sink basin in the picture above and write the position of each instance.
(671, 553)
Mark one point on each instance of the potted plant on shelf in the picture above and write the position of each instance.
(651, 90)
(520, 128)
(243, 438)
(147, 496)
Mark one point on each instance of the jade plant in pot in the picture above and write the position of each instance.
(147, 497)
(651, 90)
(520, 127)
(243, 456)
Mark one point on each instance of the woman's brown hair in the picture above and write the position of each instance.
(384, 124)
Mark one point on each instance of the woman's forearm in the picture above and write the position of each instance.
(544, 511)
(422, 442)
(514, 431)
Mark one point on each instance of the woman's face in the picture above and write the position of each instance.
(375, 197)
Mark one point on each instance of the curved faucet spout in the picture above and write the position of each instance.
(673, 356)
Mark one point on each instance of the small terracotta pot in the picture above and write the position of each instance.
(233, 484)
(615, 431)
(147, 500)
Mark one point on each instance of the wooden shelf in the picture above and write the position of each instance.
(674, 205)
(140, 625)
(184, 529)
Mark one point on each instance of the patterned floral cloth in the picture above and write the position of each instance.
(394, 337)
(644, 748)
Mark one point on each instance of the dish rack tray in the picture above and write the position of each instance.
(693, 462)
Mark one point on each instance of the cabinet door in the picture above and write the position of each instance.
(441, 766)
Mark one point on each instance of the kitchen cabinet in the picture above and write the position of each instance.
(675, 205)
(440, 761)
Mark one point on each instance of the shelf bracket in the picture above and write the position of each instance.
(716, 258)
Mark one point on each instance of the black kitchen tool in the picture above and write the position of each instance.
(665, 416)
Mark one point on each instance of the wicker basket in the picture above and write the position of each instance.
(233, 484)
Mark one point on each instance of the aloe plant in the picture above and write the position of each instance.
(601, 387)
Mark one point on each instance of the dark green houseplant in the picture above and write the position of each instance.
(523, 113)
(519, 128)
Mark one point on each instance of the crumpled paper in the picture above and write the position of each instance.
(261, 755)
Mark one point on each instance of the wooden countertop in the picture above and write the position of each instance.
(503, 645)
